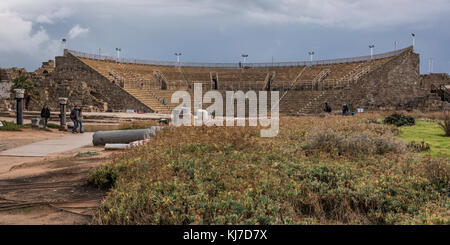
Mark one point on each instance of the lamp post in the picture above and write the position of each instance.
(371, 50)
(178, 58)
(118, 53)
(311, 54)
(413, 40)
(63, 42)
(431, 65)
(245, 57)
(395, 46)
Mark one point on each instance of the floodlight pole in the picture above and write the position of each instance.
(118, 53)
(63, 41)
(431, 65)
(245, 57)
(371, 50)
(413, 40)
(395, 46)
(178, 58)
(311, 54)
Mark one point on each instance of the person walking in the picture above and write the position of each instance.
(73, 117)
(344, 109)
(80, 119)
(45, 115)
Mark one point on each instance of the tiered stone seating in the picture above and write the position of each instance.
(302, 89)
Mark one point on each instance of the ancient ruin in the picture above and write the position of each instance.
(388, 81)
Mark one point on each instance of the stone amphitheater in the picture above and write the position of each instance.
(388, 81)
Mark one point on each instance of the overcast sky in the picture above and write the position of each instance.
(221, 30)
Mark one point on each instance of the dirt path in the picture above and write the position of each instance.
(50, 146)
(13, 139)
(51, 189)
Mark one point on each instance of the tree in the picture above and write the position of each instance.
(22, 82)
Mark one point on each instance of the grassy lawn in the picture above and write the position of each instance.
(431, 133)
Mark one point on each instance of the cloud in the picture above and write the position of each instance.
(349, 14)
(54, 15)
(17, 35)
(76, 31)
(31, 27)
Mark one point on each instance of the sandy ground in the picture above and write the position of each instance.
(13, 139)
(51, 189)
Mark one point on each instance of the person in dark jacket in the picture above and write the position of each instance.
(344, 110)
(73, 117)
(327, 108)
(45, 115)
(80, 119)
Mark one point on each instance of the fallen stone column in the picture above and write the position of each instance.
(121, 136)
(111, 147)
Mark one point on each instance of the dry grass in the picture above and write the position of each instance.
(229, 175)
(138, 124)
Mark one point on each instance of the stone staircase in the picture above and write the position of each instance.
(136, 87)
(340, 85)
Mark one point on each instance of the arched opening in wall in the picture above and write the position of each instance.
(161, 79)
(214, 84)
(45, 72)
(163, 85)
(269, 80)
(114, 82)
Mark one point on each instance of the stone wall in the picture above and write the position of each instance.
(6, 76)
(83, 86)
(393, 86)
(434, 78)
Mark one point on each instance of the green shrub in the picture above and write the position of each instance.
(419, 147)
(353, 144)
(399, 120)
(9, 126)
(445, 123)
(105, 176)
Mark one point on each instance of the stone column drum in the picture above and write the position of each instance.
(19, 108)
(62, 115)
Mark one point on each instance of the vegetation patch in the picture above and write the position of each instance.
(52, 125)
(229, 175)
(445, 123)
(9, 126)
(137, 125)
(87, 154)
(430, 133)
(399, 120)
